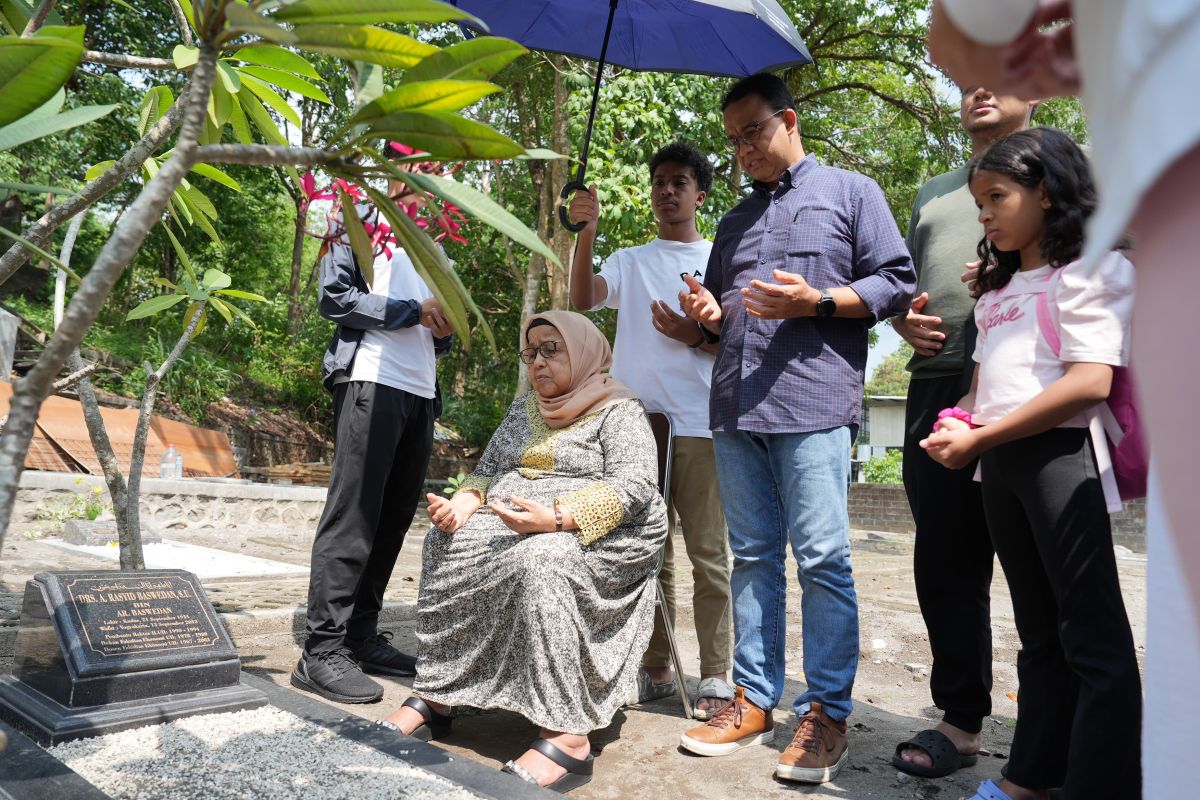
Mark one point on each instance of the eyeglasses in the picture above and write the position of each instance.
(547, 350)
(749, 133)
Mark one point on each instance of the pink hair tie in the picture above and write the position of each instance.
(957, 413)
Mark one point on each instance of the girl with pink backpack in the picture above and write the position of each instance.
(1052, 347)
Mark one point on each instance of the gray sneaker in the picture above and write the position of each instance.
(335, 675)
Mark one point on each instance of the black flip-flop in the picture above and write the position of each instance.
(941, 750)
(435, 725)
(579, 770)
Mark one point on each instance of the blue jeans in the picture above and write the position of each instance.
(779, 488)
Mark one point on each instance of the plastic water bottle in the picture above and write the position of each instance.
(179, 466)
(169, 460)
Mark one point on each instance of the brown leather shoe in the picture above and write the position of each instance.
(736, 724)
(818, 750)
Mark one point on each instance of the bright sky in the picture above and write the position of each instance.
(889, 340)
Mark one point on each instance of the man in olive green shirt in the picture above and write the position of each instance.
(952, 562)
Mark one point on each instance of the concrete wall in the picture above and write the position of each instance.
(187, 504)
(884, 507)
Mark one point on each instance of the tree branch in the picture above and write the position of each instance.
(905, 106)
(40, 232)
(118, 251)
(185, 30)
(122, 61)
(269, 154)
(39, 18)
(74, 378)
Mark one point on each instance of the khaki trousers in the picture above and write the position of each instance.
(696, 507)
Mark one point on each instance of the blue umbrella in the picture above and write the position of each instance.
(708, 37)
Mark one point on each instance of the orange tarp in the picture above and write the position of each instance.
(64, 433)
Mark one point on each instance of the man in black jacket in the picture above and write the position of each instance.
(380, 368)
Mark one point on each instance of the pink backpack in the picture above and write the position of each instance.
(1124, 466)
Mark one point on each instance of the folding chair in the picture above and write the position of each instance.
(663, 430)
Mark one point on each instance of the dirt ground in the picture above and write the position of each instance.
(638, 755)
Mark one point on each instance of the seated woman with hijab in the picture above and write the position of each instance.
(537, 583)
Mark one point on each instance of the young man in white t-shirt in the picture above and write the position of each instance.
(665, 358)
(380, 368)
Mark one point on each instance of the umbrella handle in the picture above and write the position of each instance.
(563, 218)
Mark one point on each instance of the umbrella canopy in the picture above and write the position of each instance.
(707, 37)
(732, 38)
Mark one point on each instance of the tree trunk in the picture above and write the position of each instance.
(295, 309)
(558, 275)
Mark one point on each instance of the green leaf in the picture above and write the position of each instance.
(155, 104)
(237, 119)
(96, 170)
(376, 11)
(222, 309)
(237, 312)
(215, 279)
(195, 306)
(29, 128)
(36, 188)
(33, 69)
(262, 120)
(184, 56)
(444, 135)
(541, 154)
(200, 201)
(179, 251)
(50, 107)
(198, 217)
(428, 95)
(229, 77)
(268, 95)
(239, 294)
(188, 12)
(269, 55)
(241, 19)
(166, 284)
(364, 43)
(154, 305)
(360, 243)
(369, 78)
(474, 59)
(286, 80)
(15, 14)
(220, 103)
(479, 206)
(212, 173)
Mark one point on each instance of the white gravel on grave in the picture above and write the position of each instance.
(264, 753)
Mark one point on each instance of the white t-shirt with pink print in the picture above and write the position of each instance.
(1092, 305)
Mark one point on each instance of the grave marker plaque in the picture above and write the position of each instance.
(103, 651)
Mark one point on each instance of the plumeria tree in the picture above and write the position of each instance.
(241, 61)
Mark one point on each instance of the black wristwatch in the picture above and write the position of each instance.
(826, 306)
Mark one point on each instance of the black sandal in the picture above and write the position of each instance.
(435, 726)
(579, 771)
(941, 751)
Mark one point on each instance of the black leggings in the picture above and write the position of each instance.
(1080, 705)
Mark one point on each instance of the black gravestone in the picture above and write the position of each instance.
(99, 652)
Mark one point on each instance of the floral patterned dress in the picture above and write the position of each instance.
(551, 626)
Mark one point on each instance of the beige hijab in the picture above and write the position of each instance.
(592, 388)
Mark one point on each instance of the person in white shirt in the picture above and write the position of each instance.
(380, 368)
(1132, 62)
(665, 358)
(1052, 329)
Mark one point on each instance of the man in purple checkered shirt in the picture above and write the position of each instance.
(799, 270)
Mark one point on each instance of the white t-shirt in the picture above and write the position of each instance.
(667, 375)
(1092, 303)
(403, 358)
